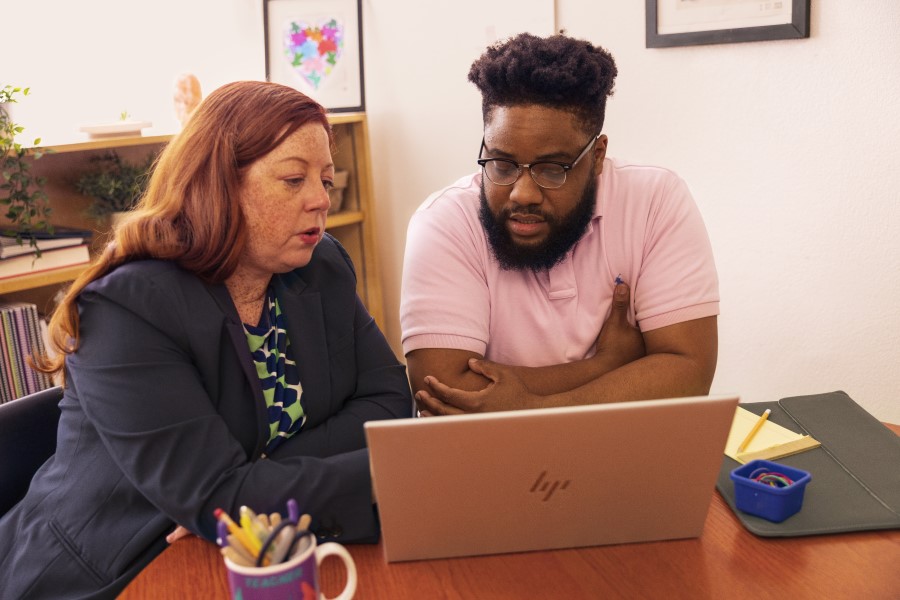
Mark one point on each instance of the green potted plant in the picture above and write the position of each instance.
(114, 184)
(22, 195)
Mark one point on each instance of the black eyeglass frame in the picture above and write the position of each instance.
(566, 167)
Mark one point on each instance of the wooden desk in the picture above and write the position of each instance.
(727, 561)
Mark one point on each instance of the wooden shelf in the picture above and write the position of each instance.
(344, 218)
(107, 143)
(354, 226)
(44, 278)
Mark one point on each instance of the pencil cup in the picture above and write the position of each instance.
(774, 501)
(297, 578)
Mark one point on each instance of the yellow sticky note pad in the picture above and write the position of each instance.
(770, 442)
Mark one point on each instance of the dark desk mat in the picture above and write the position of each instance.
(855, 483)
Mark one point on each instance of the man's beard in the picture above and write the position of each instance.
(563, 233)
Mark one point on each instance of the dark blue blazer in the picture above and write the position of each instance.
(163, 420)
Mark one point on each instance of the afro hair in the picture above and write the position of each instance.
(557, 71)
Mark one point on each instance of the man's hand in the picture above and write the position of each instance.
(619, 342)
(506, 391)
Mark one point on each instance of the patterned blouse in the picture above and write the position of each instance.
(277, 372)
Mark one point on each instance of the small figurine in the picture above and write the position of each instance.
(187, 96)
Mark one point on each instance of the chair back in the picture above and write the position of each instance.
(27, 439)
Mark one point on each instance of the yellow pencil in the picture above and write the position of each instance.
(251, 524)
(250, 542)
(754, 431)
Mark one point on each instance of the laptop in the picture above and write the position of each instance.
(547, 478)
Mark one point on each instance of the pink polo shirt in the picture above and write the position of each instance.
(646, 228)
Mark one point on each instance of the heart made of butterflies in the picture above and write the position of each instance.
(314, 48)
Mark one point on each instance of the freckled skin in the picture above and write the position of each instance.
(284, 201)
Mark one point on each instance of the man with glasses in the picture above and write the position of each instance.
(555, 275)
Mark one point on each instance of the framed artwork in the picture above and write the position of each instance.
(315, 46)
(693, 22)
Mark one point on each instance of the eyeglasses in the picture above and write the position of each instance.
(548, 174)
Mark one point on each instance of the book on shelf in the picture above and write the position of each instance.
(59, 231)
(14, 242)
(21, 335)
(7, 251)
(48, 260)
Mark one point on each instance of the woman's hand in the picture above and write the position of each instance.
(179, 533)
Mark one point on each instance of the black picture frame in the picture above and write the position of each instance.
(344, 87)
(796, 29)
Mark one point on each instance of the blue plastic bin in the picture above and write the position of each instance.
(771, 503)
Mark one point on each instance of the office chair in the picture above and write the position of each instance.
(27, 439)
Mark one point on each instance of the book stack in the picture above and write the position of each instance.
(20, 336)
(65, 247)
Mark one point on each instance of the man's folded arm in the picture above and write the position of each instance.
(680, 361)
(618, 344)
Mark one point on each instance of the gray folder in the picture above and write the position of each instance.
(855, 482)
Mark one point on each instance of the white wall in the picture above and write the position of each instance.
(88, 61)
(792, 150)
(790, 147)
(424, 115)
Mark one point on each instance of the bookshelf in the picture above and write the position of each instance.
(353, 226)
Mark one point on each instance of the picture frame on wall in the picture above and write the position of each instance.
(315, 46)
(694, 22)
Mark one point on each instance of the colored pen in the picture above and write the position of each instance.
(282, 544)
(221, 533)
(303, 523)
(754, 431)
(293, 510)
(251, 543)
(299, 544)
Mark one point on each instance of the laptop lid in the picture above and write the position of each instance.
(547, 478)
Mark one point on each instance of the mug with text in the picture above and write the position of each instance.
(295, 579)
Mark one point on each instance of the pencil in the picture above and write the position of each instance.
(251, 524)
(239, 548)
(236, 557)
(754, 431)
(237, 532)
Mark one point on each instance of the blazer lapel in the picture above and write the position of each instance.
(309, 347)
(238, 338)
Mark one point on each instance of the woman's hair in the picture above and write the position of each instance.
(557, 71)
(190, 213)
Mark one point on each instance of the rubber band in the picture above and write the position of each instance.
(770, 478)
